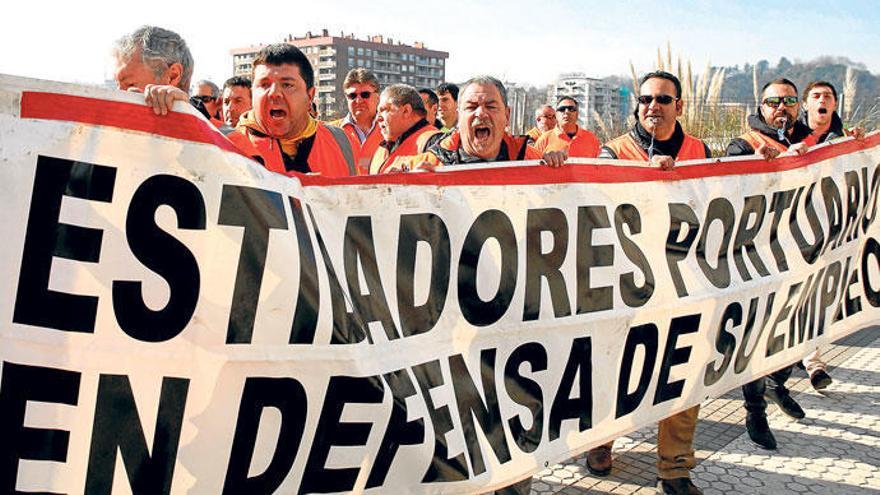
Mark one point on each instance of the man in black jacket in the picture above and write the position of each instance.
(774, 129)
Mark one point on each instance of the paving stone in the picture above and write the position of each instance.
(835, 450)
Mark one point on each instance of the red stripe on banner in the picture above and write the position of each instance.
(54, 106)
(602, 174)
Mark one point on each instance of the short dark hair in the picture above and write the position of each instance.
(814, 84)
(780, 80)
(238, 81)
(662, 74)
(450, 88)
(432, 96)
(283, 53)
(563, 98)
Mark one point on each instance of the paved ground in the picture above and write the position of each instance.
(835, 450)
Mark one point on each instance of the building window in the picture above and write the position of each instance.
(360, 63)
(351, 62)
(369, 52)
(351, 50)
(368, 64)
(360, 52)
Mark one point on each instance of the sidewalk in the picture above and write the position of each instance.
(834, 450)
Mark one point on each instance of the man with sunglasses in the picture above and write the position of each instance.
(659, 139)
(209, 94)
(568, 136)
(775, 128)
(545, 120)
(361, 88)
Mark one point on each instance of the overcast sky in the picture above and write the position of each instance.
(523, 41)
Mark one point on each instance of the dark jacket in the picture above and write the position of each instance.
(670, 147)
(740, 147)
(834, 131)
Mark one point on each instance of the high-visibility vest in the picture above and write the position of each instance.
(363, 152)
(517, 149)
(385, 161)
(757, 139)
(534, 133)
(626, 148)
(326, 156)
(585, 144)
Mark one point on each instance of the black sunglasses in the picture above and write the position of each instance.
(567, 108)
(661, 99)
(775, 101)
(204, 98)
(354, 94)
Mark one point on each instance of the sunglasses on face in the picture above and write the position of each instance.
(354, 94)
(775, 101)
(567, 108)
(661, 99)
(204, 98)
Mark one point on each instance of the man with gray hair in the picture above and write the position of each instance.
(483, 116)
(155, 61)
(402, 121)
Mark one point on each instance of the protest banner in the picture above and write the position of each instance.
(176, 319)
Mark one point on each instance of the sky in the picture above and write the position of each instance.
(529, 42)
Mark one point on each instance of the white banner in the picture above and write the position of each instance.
(179, 320)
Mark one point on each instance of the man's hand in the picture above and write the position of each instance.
(799, 148)
(856, 132)
(664, 162)
(162, 98)
(555, 158)
(767, 151)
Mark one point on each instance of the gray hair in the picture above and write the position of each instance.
(485, 81)
(215, 91)
(160, 48)
(540, 110)
(404, 94)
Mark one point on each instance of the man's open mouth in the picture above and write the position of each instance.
(277, 113)
(482, 132)
(823, 111)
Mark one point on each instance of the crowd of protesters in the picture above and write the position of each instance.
(271, 118)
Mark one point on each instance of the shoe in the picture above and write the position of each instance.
(678, 486)
(759, 431)
(599, 460)
(786, 404)
(820, 380)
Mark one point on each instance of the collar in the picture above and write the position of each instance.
(669, 147)
(799, 130)
(835, 130)
(403, 137)
(362, 136)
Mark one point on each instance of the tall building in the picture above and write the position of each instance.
(333, 56)
(590, 93)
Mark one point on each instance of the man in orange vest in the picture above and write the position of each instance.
(483, 115)
(237, 99)
(361, 88)
(431, 101)
(209, 93)
(658, 138)
(402, 121)
(820, 113)
(545, 120)
(775, 128)
(568, 135)
(279, 132)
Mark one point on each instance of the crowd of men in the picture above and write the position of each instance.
(271, 118)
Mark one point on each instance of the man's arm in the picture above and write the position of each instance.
(739, 147)
(607, 153)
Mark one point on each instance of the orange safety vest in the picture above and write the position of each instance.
(585, 144)
(517, 149)
(626, 148)
(385, 161)
(534, 133)
(325, 157)
(363, 152)
(756, 139)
